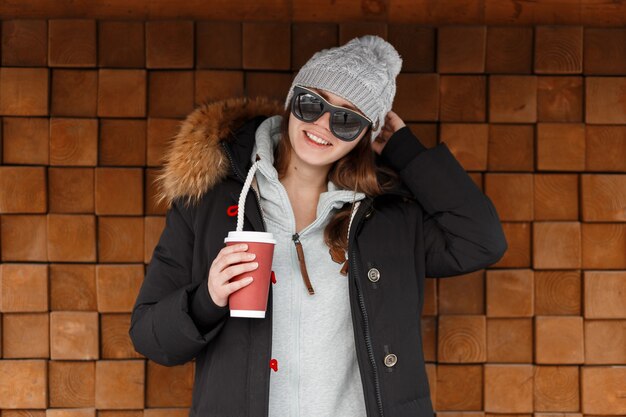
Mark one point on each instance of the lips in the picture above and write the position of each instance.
(319, 136)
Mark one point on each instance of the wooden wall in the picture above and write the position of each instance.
(535, 113)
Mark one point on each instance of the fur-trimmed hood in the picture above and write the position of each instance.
(194, 161)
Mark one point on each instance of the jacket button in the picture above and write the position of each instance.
(390, 360)
(373, 274)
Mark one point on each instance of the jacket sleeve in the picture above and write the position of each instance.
(462, 230)
(173, 318)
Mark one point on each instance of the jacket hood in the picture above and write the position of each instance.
(194, 161)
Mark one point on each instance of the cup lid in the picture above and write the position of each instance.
(250, 236)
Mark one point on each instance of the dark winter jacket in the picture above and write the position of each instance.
(436, 223)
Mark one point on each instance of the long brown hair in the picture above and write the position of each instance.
(355, 171)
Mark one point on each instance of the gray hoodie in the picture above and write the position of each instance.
(313, 349)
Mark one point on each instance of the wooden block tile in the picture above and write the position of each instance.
(24, 91)
(170, 93)
(25, 335)
(120, 413)
(510, 293)
(556, 196)
(557, 245)
(603, 100)
(121, 93)
(415, 44)
(557, 388)
(430, 297)
(468, 143)
(417, 97)
(71, 412)
(603, 294)
(559, 99)
(512, 98)
(463, 295)
(159, 133)
(217, 85)
(349, 30)
(121, 44)
(510, 340)
(74, 92)
(510, 147)
(23, 413)
(25, 43)
(218, 44)
(119, 191)
(72, 43)
(459, 387)
(153, 227)
(118, 287)
(169, 44)
(604, 245)
(70, 190)
(462, 339)
(307, 38)
(499, 397)
(460, 414)
(120, 384)
(561, 146)
(461, 49)
(73, 335)
(270, 84)
(23, 238)
(425, 132)
(518, 237)
(606, 148)
(114, 339)
(72, 287)
(603, 197)
(151, 189)
(558, 293)
(602, 390)
(71, 238)
(429, 338)
(23, 287)
(509, 49)
(73, 142)
(122, 142)
(512, 194)
(267, 45)
(166, 412)
(23, 190)
(558, 49)
(605, 341)
(169, 386)
(559, 340)
(462, 98)
(25, 140)
(604, 50)
(431, 375)
(120, 239)
(72, 384)
(23, 384)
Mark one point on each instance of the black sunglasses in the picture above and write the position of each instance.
(309, 106)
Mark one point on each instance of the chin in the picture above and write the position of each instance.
(312, 155)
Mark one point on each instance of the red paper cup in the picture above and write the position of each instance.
(251, 300)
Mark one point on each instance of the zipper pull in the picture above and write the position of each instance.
(305, 274)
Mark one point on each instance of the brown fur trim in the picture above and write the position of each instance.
(193, 161)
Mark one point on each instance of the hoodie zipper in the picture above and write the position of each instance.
(305, 274)
(366, 331)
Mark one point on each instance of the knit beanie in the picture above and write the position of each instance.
(363, 71)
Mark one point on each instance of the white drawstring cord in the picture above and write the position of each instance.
(244, 193)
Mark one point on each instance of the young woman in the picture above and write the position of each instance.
(362, 212)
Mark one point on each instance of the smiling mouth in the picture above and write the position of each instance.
(316, 139)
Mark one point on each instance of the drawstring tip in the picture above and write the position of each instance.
(344, 268)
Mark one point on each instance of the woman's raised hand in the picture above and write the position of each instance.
(393, 123)
(229, 262)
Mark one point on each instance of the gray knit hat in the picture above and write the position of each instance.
(363, 71)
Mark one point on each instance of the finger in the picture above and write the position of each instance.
(236, 285)
(233, 271)
(234, 258)
(226, 250)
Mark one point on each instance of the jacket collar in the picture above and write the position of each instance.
(195, 159)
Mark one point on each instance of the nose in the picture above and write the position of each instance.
(324, 121)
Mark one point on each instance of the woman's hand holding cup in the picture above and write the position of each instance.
(230, 261)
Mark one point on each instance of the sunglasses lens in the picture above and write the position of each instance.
(345, 125)
(307, 107)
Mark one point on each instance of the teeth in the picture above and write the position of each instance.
(316, 139)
